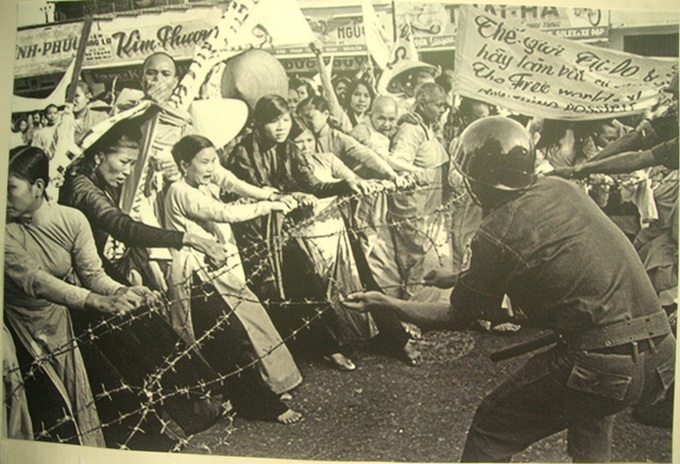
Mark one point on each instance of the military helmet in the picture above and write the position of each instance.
(498, 152)
(672, 86)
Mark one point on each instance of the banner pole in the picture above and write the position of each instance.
(394, 21)
(80, 56)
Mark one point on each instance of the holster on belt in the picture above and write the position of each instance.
(619, 333)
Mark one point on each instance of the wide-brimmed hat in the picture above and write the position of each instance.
(390, 78)
(138, 114)
(219, 119)
(252, 75)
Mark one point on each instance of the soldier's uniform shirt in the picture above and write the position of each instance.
(570, 269)
(559, 258)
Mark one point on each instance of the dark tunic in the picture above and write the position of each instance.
(563, 262)
(83, 189)
(126, 356)
(280, 166)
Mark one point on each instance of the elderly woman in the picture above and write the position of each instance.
(266, 157)
(232, 327)
(421, 242)
(93, 185)
(315, 112)
(51, 265)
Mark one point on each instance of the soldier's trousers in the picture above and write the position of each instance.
(568, 389)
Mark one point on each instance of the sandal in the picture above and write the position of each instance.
(411, 355)
(341, 362)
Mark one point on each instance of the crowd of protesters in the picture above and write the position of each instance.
(360, 184)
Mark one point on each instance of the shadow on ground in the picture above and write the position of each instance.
(387, 411)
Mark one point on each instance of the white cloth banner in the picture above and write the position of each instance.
(377, 40)
(57, 97)
(505, 63)
(405, 48)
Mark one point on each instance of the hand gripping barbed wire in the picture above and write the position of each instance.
(152, 389)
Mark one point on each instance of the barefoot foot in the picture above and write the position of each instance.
(289, 417)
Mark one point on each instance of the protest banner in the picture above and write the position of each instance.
(506, 63)
(377, 40)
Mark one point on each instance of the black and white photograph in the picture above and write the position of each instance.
(339, 231)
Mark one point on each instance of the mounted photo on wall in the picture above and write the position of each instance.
(355, 231)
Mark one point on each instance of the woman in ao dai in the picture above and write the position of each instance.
(214, 306)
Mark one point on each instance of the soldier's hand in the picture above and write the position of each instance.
(439, 278)
(364, 302)
(570, 172)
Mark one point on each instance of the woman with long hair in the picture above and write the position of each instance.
(359, 97)
(267, 157)
(51, 265)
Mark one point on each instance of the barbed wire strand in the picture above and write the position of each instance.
(152, 386)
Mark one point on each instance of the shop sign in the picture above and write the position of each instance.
(433, 24)
(121, 41)
(569, 23)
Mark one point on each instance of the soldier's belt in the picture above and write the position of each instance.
(619, 333)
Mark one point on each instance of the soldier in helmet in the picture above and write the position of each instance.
(570, 269)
